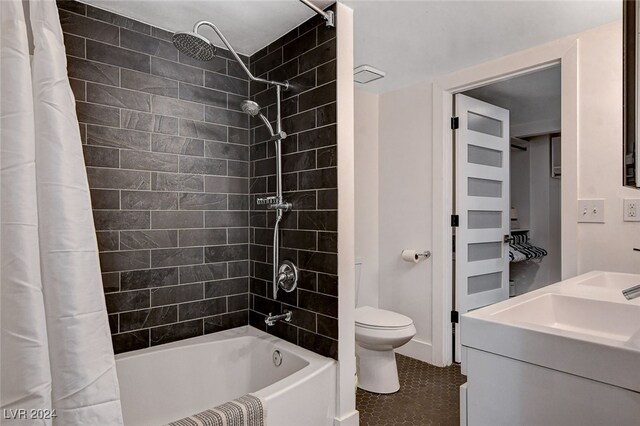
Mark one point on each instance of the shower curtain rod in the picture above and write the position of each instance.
(328, 15)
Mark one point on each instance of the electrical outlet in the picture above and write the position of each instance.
(591, 211)
(631, 211)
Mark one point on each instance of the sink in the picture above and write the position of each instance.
(611, 280)
(575, 315)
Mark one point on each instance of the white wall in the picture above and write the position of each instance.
(366, 196)
(405, 208)
(405, 145)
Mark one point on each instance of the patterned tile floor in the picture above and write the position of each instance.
(428, 395)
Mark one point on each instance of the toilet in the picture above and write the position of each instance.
(378, 333)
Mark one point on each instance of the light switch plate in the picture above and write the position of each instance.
(631, 210)
(591, 211)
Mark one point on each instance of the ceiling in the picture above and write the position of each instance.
(529, 98)
(249, 25)
(411, 41)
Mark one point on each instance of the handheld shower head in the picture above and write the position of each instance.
(250, 107)
(194, 45)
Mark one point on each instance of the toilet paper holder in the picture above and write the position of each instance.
(424, 255)
(415, 256)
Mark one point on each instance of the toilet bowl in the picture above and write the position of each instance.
(378, 333)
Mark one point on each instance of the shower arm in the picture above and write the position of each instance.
(198, 24)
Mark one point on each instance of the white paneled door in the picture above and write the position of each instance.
(482, 206)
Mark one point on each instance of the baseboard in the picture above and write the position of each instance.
(417, 349)
(351, 419)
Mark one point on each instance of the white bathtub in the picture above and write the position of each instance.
(172, 381)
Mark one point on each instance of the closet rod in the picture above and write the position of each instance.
(522, 148)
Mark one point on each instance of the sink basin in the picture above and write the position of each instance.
(575, 315)
(611, 280)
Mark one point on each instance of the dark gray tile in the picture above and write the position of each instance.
(107, 240)
(328, 241)
(227, 117)
(78, 87)
(176, 71)
(268, 62)
(326, 114)
(326, 72)
(328, 284)
(317, 56)
(177, 145)
(328, 199)
(97, 114)
(200, 130)
(136, 120)
(317, 179)
(103, 199)
(89, 28)
(238, 202)
(149, 83)
(226, 151)
(121, 98)
(161, 34)
(139, 160)
(127, 301)
(176, 182)
(118, 138)
(100, 157)
(125, 342)
(226, 84)
(217, 64)
(72, 6)
(302, 200)
(300, 45)
(206, 272)
(176, 220)
(317, 138)
(318, 344)
(117, 20)
(149, 45)
(203, 95)
(226, 287)
(238, 268)
(176, 257)
(319, 96)
(202, 237)
(124, 260)
(203, 166)
(120, 220)
(147, 200)
(202, 308)
(146, 318)
(328, 157)
(147, 239)
(176, 294)
(166, 125)
(305, 240)
(177, 108)
(177, 331)
(148, 278)
(298, 162)
(321, 220)
(221, 219)
(117, 56)
(318, 262)
(117, 179)
(215, 254)
(74, 45)
(239, 136)
(238, 302)
(190, 201)
(223, 322)
(92, 71)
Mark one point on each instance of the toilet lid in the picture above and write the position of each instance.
(367, 316)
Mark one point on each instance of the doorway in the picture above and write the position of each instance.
(506, 188)
(562, 52)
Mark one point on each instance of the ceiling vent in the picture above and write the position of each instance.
(366, 74)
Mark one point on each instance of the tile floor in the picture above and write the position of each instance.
(428, 395)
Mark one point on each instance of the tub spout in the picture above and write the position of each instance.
(272, 319)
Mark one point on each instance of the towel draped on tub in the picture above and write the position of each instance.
(248, 410)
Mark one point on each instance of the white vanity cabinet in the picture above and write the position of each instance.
(568, 354)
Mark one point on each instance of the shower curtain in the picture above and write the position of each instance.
(56, 358)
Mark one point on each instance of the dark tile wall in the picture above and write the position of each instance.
(167, 154)
(306, 57)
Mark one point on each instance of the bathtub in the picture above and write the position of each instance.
(172, 381)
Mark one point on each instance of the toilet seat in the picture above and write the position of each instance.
(380, 319)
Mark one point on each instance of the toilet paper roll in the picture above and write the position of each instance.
(410, 256)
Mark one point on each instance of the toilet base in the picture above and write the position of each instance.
(377, 370)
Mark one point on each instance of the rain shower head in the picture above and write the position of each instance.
(194, 45)
(250, 107)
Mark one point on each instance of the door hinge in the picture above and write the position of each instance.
(455, 220)
(455, 123)
(454, 317)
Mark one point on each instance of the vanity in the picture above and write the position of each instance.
(566, 354)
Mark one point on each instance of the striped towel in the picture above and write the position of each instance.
(248, 410)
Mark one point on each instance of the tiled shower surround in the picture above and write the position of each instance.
(168, 158)
(306, 57)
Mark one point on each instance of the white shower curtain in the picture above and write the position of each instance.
(55, 348)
